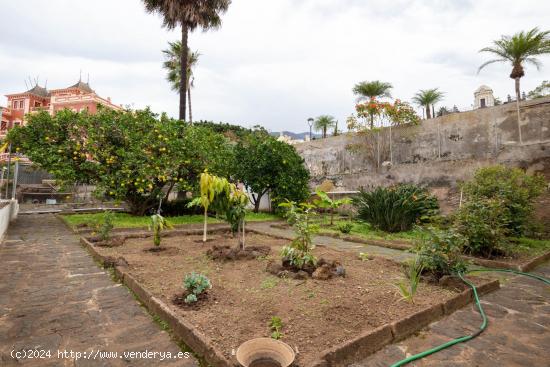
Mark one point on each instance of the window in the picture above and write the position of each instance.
(15, 104)
(21, 104)
(4, 125)
(37, 104)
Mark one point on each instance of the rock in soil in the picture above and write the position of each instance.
(323, 272)
(274, 267)
(225, 252)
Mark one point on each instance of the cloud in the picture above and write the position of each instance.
(274, 63)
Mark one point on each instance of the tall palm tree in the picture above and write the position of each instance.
(323, 122)
(428, 98)
(369, 90)
(189, 14)
(518, 50)
(172, 65)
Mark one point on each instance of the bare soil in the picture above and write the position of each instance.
(316, 314)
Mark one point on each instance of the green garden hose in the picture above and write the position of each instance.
(483, 316)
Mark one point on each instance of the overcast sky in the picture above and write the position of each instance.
(273, 62)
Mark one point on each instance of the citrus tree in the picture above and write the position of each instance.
(133, 156)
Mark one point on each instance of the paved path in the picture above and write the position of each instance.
(334, 242)
(518, 333)
(53, 297)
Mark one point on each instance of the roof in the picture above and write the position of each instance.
(483, 88)
(82, 86)
(36, 90)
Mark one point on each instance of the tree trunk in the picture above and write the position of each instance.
(331, 216)
(183, 71)
(324, 132)
(189, 101)
(205, 226)
(372, 121)
(257, 203)
(433, 111)
(518, 96)
(428, 112)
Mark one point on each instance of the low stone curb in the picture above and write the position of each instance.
(525, 266)
(182, 329)
(366, 344)
(340, 355)
(396, 245)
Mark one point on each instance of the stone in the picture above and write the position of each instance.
(322, 272)
(274, 267)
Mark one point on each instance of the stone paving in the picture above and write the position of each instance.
(53, 297)
(518, 333)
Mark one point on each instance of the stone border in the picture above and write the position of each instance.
(181, 328)
(340, 355)
(527, 265)
(367, 343)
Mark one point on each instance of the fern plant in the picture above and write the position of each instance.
(157, 225)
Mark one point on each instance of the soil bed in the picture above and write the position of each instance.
(316, 314)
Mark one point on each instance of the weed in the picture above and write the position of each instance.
(276, 325)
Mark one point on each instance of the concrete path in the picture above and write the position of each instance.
(518, 333)
(55, 300)
(335, 242)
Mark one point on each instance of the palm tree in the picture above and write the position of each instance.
(172, 65)
(189, 14)
(519, 49)
(370, 90)
(322, 123)
(427, 98)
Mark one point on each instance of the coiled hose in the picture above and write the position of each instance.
(482, 313)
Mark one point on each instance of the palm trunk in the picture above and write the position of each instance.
(428, 112)
(324, 132)
(183, 71)
(433, 111)
(372, 121)
(518, 96)
(189, 101)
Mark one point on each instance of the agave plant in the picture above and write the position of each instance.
(396, 208)
(158, 224)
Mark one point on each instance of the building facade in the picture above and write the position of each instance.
(483, 97)
(77, 97)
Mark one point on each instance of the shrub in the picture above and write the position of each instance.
(440, 253)
(345, 227)
(513, 187)
(158, 224)
(179, 207)
(298, 253)
(484, 224)
(396, 208)
(195, 284)
(105, 225)
(276, 324)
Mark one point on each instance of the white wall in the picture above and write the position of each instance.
(7, 214)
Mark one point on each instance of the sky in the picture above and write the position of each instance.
(272, 63)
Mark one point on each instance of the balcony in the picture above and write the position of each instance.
(40, 108)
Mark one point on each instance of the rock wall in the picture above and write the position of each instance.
(437, 153)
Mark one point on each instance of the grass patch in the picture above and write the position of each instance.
(366, 231)
(523, 245)
(125, 220)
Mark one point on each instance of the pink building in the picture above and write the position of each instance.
(77, 97)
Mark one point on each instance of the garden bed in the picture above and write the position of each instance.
(320, 318)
